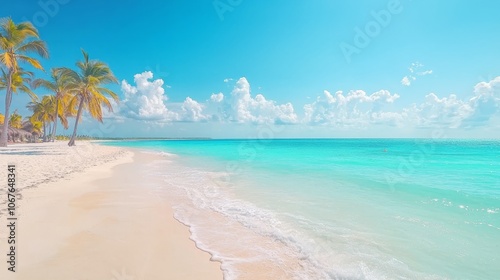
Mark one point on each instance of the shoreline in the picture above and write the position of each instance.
(102, 222)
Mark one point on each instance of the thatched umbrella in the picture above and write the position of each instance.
(17, 133)
(29, 127)
(23, 134)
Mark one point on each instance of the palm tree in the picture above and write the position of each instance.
(90, 94)
(20, 81)
(62, 85)
(16, 42)
(16, 120)
(43, 112)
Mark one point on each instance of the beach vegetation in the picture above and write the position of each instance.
(62, 85)
(91, 95)
(75, 92)
(43, 112)
(17, 43)
(16, 120)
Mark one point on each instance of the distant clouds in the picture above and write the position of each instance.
(352, 109)
(146, 100)
(414, 72)
(453, 112)
(359, 109)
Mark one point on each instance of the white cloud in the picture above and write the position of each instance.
(414, 66)
(485, 102)
(217, 97)
(240, 106)
(227, 80)
(245, 108)
(192, 111)
(145, 100)
(488, 89)
(407, 80)
(357, 109)
(428, 72)
(354, 109)
(115, 114)
(441, 112)
(453, 112)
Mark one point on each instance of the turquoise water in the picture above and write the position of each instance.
(341, 208)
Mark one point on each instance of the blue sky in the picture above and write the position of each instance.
(420, 66)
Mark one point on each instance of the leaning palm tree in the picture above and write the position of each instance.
(19, 82)
(90, 94)
(62, 85)
(43, 112)
(16, 42)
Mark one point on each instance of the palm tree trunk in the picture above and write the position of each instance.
(49, 130)
(8, 100)
(44, 132)
(55, 120)
(72, 140)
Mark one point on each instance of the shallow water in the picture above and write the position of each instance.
(339, 208)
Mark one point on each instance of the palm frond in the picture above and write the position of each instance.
(41, 83)
(8, 60)
(110, 93)
(34, 62)
(25, 89)
(37, 46)
(27, 29)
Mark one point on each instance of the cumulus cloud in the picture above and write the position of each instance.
(414, 72)
(441, 112)
(192, 111)
(245, 108)
(146, 99)
(241, 107)
(454, 112)
(217, 97)
(485, 103)
(356, 108)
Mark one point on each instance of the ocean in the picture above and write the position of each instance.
(337, 208)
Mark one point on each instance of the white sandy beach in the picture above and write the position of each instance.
(86, 213)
